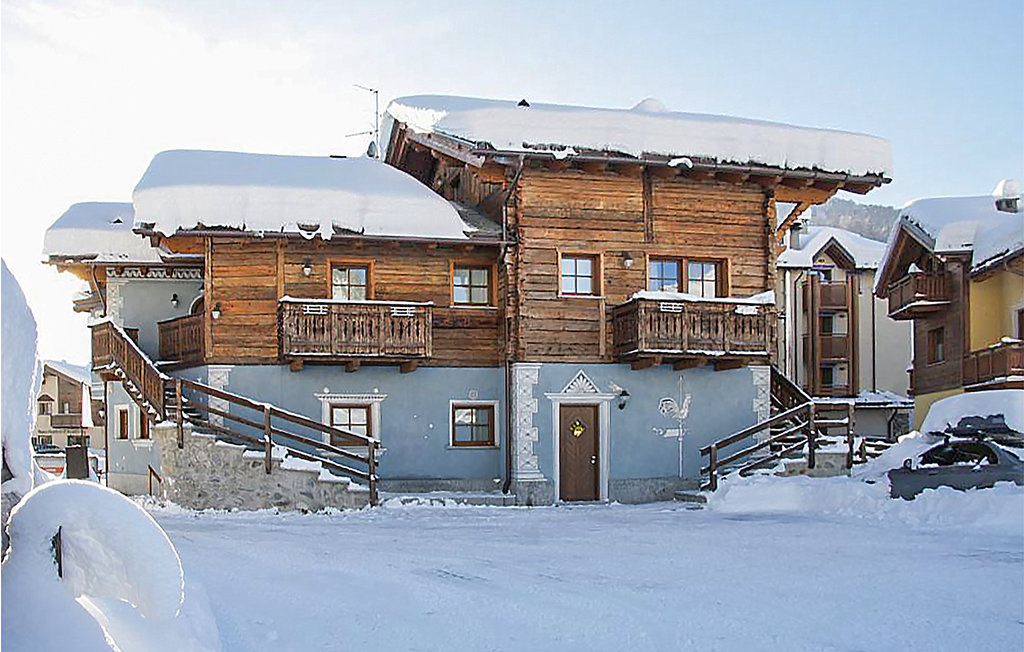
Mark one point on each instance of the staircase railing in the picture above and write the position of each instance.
(798, 425)
(263, 425)
(112, 348)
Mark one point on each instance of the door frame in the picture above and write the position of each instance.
(602, 402)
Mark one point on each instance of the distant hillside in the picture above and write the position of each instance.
(869, 220)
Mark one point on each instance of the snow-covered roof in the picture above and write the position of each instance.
(866, 253)
(264, 193)
(646, 129)
(99, 231)
(961, 224)
(80, 373)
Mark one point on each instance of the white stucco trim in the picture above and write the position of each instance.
(581, 390)
(372, 401)
(451, 425)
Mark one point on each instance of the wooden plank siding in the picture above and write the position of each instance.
(948, 374)
(608, 215)
(247, 276)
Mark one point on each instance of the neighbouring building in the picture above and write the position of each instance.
(561, 303)
(66, 412)
(837, 340)
(955, 268)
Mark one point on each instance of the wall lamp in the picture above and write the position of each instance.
(307, 267)
(174, 300)
(627, 259)
(623, 399)
(215, 313)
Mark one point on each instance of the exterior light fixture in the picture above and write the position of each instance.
(627, 260)
(307, 267)
(623, 399)
(174, 300)
(215, 313)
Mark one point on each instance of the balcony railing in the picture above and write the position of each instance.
(918, 293)
(644, 327)
(997, 366)
(835, 347)
(832, 295)
(67, 420)
(182, 339)
(320, 329)
(114, 352)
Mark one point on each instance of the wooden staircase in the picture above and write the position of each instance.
(798, 426)
(231, 417)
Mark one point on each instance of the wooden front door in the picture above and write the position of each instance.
(578, 459)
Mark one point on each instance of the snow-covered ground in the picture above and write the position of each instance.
(856, 571)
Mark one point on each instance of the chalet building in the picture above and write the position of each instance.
(571, 319)
(837, 340)
(954, 267)
(66, 413)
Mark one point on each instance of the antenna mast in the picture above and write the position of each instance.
(376, 115)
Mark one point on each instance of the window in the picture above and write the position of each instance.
(43, 440)
(936, 345)
(122, 422)
(824, 273)
(828, 378)
(471, 286)
(350, 282)
(1020, 323)
(828, 324)
(66, 408)
(44, 407)
(579, 275)
(78, 440)
(143, 425)
(702, 278)
(353, 418)
(663, 275)
(472, 425)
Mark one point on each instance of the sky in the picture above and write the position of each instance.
(90, 90)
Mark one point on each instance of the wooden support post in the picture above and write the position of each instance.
(372, 472)
(713, 468)
(688, 363)
(268, 442)
(58, 553)
(812, 433)
(408, 367)
(178, 409)
(849, 435)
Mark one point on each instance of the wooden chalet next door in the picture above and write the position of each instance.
(578, 452)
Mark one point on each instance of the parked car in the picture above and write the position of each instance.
(960, 464)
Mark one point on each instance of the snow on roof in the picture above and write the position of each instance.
(101, 231)
(647, 128)
(952, 224)
(82, 374)
(186, 189)
(866, 253)
(949, 411)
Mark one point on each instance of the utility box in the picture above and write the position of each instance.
(77, 465)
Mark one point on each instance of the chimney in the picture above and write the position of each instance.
(1007, 196)
(794, 235)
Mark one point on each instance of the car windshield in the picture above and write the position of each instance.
(959, 453)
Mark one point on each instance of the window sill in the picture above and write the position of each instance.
(581, 296)
(492, 447)
(466, 306)
(141, 443)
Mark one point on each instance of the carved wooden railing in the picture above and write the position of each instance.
(917, 287)
(372, 329)
(1002, 361)
(182, 339)
(113, 349)
(649, 326)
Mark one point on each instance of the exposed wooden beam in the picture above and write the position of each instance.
(663, 172)
(645, 363)
(725, 365)
(688, 363)
(556, 165)
(792, 182)
(766, 181)
(696, 175)
(352, 366)
(408, 367)
(859, 188)
(732, 177)
(593, 167)
(798, 210)
(295, 365)
(828, 186)
(632, 170)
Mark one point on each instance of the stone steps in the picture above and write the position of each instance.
(445, 498)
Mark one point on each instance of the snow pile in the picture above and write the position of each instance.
(100, 231)
(866, 253)
(948, 411)
(263, 193)
(645, 129)
(21, 375)
(122, 585)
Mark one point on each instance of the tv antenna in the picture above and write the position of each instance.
(373, 151)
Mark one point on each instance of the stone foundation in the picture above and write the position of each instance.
(212, 474)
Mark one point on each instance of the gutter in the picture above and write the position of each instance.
(215, 233)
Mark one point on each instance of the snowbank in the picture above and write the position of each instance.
(949, 411)
(101, 231)
(21, 376)
(866, 254)
(263, 193)
(122, 579)
(647, 128)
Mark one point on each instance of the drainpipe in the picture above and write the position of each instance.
(874, 349)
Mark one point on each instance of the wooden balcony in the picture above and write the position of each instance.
(334, 331)
(835, 347)
(834, 390)
(918, 294)
(68, 420)
(997, 367)
(182, 340)
(832, 296)
(688, 332)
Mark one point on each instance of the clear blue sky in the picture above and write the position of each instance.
(92, 89)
